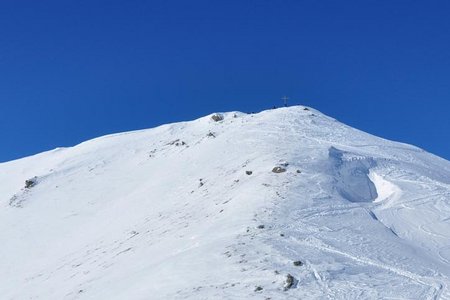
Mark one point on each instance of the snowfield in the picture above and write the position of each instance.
(193, 210)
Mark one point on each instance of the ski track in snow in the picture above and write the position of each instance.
(435, 286)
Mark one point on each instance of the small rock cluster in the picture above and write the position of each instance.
(177, 142)
(217, 117)
(278, 170)
(29, 183)
(289, 283)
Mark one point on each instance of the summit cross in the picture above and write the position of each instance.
(285, 99)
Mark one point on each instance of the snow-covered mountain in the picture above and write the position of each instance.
(284, 204)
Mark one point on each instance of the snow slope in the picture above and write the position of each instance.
(170, 213)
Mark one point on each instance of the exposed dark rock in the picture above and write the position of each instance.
(258, 289)
(289, 282)
(278, 170)
(30, 183)
(248, 172)
(298, 171)
(298, 263)
(176, 142)
(260, 227)
(211, 134)
(217, 117)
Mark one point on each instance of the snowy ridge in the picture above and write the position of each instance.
(194, 210)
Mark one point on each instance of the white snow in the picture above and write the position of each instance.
(170, 213)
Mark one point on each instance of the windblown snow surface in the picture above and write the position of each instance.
(171, 213)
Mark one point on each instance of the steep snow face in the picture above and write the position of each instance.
(193, 210)
(352, 176)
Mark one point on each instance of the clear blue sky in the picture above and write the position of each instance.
(74, 70)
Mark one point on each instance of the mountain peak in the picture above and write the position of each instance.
(285, 203)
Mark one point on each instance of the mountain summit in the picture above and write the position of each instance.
(284, 204)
